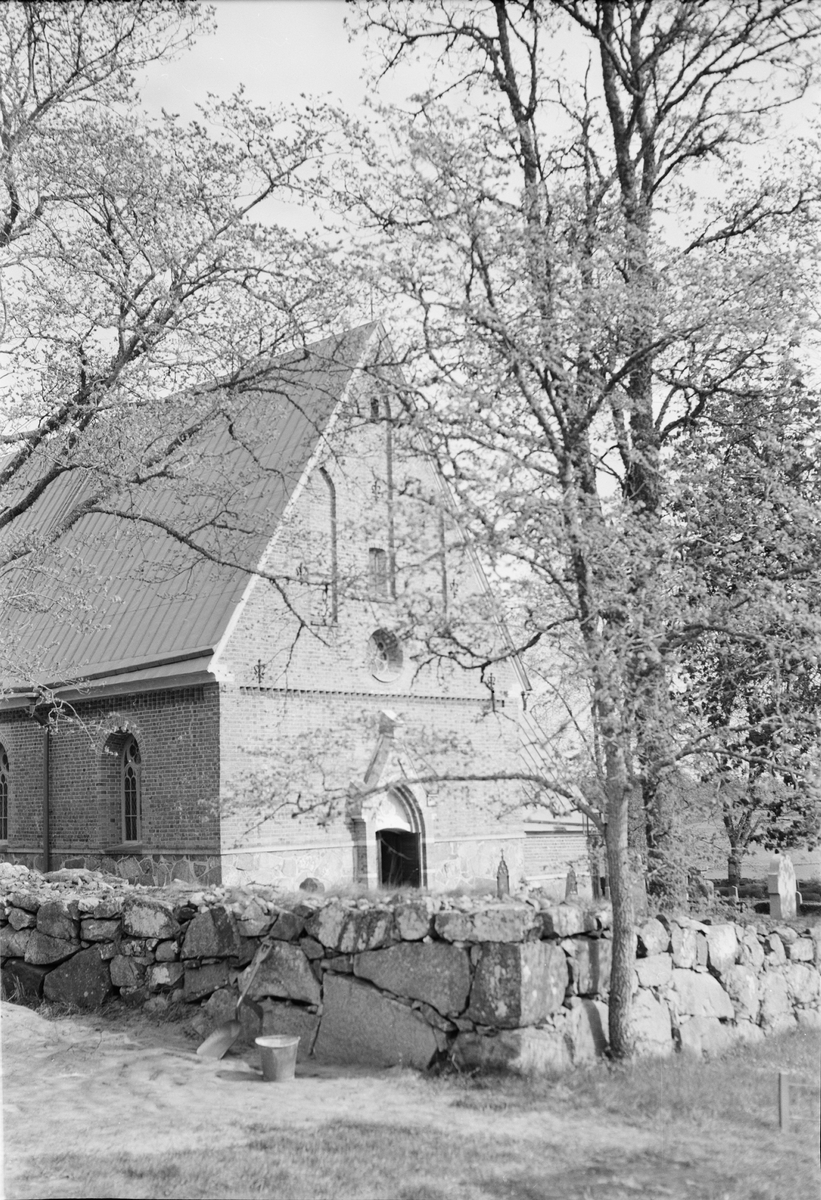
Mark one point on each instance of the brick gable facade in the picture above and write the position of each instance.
(322, 735)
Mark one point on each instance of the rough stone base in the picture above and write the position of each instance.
(84, 981)
(522, 1051)
(706, 1036)
(588, 1029)
(651, 1026)
(360, 1025)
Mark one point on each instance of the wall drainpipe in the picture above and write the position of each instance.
(42, 715)
(46, 796)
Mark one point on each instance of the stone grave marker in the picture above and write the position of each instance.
(502, 879)
(781, 887)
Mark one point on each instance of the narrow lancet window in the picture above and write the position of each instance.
(132, 792)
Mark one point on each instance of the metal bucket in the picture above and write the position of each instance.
(277, 1053)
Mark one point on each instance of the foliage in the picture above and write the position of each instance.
(138, 284)
(593, 285)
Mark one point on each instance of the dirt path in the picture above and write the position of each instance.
(101, 1086)
(122, 1082)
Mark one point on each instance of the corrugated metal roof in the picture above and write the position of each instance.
(119, 591)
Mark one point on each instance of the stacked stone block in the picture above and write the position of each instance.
(519, 985)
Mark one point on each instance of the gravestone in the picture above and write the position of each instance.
(502, 879)
(781, 887)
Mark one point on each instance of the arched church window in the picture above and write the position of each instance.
(331, 585)
(132, 791)
(4, 795)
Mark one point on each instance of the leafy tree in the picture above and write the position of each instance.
(575, 310)
(755, 701)
(139, 284)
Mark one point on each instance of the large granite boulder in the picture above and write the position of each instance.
(748, 1032)
(750, 951)
(801, 950)
(212, 934)
(94, 930)
(700, 995)
(722, 947)
(129, 970)
(803, 982)
(19, 918)
(498, 923)
(199, 982)
(683, 940)
(286, 925)
(521, 1051)
(360, 1025)
(351, 930)
(592, 965)
(435, 973)
(414, 919)
(562, 920)
(285, 973)
(654, 971)
(706, 1036)
(741, 984)
(148, 917)
(254, 919)
(30, 901)
(103, 908)
(164, 976)
(56, 920)
(14, 942)
(774, 948)
(587, 1028)
(650, 1026)
(517, 984)
(84, 981)
(42, 949)
(653, 938)
(815, 937)
(776, 1008)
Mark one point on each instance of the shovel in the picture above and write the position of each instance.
(224, 1036)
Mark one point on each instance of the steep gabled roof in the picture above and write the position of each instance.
(153, 573)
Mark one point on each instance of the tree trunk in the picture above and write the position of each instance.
(734, 866)
(621, 895)
(667, 870)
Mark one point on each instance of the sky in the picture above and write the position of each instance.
(277, 49)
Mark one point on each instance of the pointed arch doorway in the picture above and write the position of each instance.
(391, 841)
(390, 818)
(398, 853)
(399, 837)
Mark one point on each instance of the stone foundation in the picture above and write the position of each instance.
(519, 985)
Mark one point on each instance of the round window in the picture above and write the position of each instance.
(384, 655)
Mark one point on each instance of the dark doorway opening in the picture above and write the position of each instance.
(399, 863)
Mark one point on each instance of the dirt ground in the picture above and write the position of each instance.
(103, 1086)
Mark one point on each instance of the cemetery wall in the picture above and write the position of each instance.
(519, 984)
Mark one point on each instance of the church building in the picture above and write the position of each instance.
(240, 668)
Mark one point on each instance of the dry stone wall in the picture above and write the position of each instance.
(519, 985)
